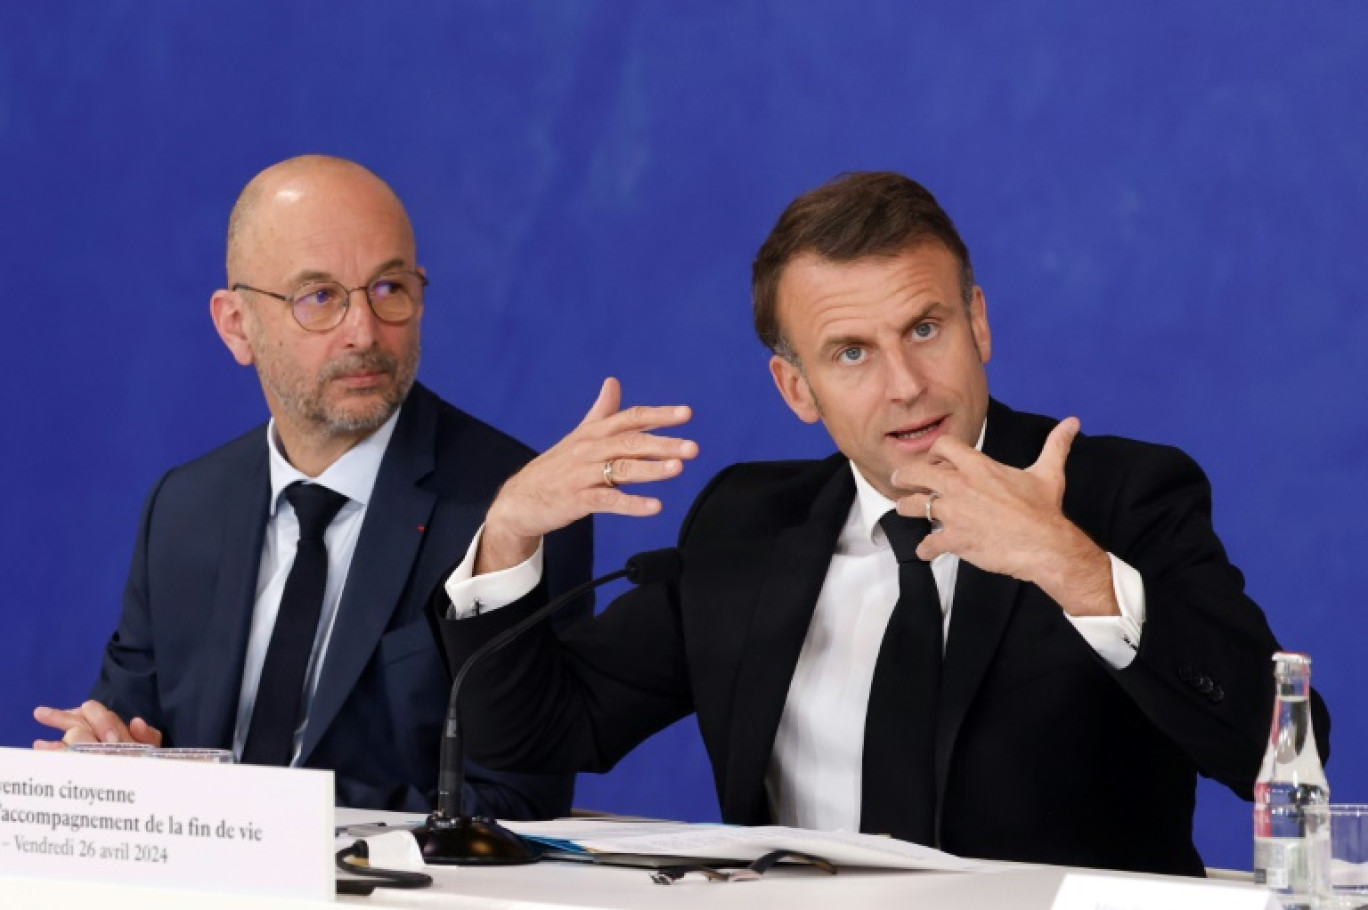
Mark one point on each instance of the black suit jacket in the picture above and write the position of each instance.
(177, 656)
(1043, 753)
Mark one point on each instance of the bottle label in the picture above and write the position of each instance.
(1289, 864)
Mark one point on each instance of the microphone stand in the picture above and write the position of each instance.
(451, 837)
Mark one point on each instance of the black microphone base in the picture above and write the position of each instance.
(469, 841)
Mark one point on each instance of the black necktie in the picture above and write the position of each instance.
(899, 791)
(280, 692)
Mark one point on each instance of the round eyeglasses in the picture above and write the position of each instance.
(320, 306)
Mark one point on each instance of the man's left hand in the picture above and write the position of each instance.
(92, 722)
(1010, 521)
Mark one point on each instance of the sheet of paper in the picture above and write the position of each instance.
(733, 842)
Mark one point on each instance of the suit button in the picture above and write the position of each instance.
(1217, 694)
(1205, 685)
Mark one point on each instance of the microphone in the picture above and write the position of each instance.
(450, 836)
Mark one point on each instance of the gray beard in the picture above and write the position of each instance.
(313, 406)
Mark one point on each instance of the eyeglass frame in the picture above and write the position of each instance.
(347, 295)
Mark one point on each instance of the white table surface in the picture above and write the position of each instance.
(573, 885)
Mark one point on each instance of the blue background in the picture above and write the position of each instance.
(1165, 201)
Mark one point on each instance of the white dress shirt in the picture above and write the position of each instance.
(815, 774)
(353, 475)
(814, 777)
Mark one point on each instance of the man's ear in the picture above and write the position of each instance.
(419, 313)
(793, 387)
(978, 324)
(228, 310)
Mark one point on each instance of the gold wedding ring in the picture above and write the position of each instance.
(608, 473)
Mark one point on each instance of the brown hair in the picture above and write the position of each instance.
(855, 215)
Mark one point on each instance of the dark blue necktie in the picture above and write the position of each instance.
(899, 792)
(280, 692)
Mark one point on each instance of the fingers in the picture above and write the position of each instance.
(999, 518)
(145, 733)
(953, 451)
(640, 445)
(1057, 446)
(639, 469)
(91, 722)
(48, 717)
(932, 545)
(619, 472)
(108, 726)
(583, 474)
(71, 722)
(612, 501)
(915, 505)
(619, 447)
(638, 420)
(947, 456)
(608, 401)
(605, 419)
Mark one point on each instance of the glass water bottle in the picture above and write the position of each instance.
(1291, 795)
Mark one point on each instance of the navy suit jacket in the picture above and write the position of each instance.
(177, 656)
(1043, 752)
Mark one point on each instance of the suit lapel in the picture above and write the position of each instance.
(243, 525)
(794, 575)
(982, 605)
(386, 550)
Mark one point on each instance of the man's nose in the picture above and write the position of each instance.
(359, 320)
(904, 377)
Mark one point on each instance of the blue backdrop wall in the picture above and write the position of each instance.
(1166, 203)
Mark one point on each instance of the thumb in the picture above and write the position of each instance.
(1057, 446)
(608, 402)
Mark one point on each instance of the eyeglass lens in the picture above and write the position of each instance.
(393, 298)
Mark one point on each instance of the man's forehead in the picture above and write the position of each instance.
(298, 232)
(310, 186)
(811, 264)
(823, 291)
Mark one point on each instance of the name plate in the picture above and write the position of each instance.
(241, 829)
(1106, 892)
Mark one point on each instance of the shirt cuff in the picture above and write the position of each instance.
(472, 595)
(1117, 638)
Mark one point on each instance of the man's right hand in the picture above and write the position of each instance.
(92, 722)
(582, 474)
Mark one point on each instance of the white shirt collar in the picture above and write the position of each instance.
(353, 475)
(871, 505)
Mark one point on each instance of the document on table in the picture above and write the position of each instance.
(615, 835)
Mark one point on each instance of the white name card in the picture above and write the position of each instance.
(1080, 891)
(173, 824)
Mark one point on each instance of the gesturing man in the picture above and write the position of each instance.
(971, 627)
(274, 604)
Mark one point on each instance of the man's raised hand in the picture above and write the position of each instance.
(584, 474)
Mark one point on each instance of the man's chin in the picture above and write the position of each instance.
(359, 414)
(347, 409)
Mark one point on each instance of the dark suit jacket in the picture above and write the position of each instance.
(1044, 752)
(176, 658)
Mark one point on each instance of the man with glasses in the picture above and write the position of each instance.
(275, 601)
